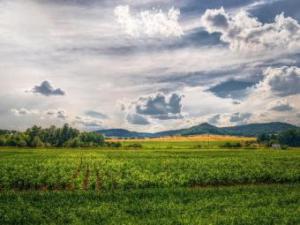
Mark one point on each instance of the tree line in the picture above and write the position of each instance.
(65, 136)
(286, 138)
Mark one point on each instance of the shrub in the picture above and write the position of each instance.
(36, 142)
(290, 138)
(135, 145)
(232, 145)
(2, 141)
(114, 144)
(197, 146)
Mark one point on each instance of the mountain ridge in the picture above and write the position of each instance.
(250, 130)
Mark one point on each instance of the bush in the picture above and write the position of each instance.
(232, 145)
(36, 142)
(114, 144)
(290, 138)
(197, 146)
(73, 143)
(2, 141)
(250, 145)
(135, 145)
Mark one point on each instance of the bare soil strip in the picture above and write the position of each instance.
(85, 184)
(98, 181)
(76, 174)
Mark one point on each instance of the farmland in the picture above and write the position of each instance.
(192, 138)
(179, 185)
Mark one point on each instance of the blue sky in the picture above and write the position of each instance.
(148, 65)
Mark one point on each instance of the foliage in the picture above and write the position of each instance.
(135, 145)
(286, 138)
(231, 145)
(290, 138)
(52, 137)
(31, 169)
(160, 186)
(247, 205)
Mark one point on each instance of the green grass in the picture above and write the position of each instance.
(159, 186)
(228, 205)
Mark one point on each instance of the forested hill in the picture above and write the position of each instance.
(205, 128)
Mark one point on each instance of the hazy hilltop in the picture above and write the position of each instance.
(205, 128)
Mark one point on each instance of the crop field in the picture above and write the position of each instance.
(193, 138)
(149, 186)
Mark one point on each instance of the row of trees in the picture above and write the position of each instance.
(52, 137)
(286, 138)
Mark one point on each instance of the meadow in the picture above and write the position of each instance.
(174, 183)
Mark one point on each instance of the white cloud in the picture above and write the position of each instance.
(246, 33)
(87, 123)
(80, 49)
(24, 112)
(283, 81)
(282, 106)
(149, 23)
(160, 106)
(57, 113)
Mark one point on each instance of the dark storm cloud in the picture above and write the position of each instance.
(46, 89)
(231, 89)
(137, 119)
(160, 107)
(282, 108)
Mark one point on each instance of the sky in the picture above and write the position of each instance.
(148, 65)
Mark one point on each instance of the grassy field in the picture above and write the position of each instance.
(149, 186)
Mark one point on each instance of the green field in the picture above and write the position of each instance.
(149, 186)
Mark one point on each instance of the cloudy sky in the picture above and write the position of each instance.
(148, 65)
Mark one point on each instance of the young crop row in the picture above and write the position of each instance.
(127, 170)
(247, 205)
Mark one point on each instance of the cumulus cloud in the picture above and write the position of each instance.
(283, 81)
(57, 113)
(53, 113)
(282, 107)
(160, 106)
(46, 89)
(88, 122)
(240, 118)
(154, 23)
(24, 112)
(232, 88)
(137, 119)
(96, 114)
(243, 32)
(215, 119)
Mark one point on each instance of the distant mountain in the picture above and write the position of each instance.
(205, 128)
(258, 128)
(122, 133)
